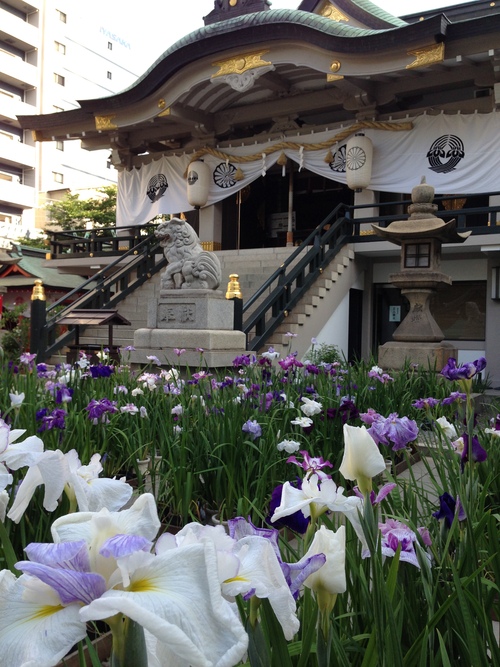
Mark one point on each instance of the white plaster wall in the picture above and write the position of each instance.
(335, 331)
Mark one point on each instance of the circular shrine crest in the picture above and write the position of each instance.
(445, 153)
(157, 187)
(225, 175)
(339, 160)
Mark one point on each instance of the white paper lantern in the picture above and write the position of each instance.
(359, 157)
(198, 183)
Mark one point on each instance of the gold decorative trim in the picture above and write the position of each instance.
(334, 67)
(240, 64)
(165, 112)
(330, 12)
(161, 103)
(211, 245)
(105, 122)
(428, 55)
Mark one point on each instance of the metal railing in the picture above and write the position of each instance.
(289, 283)
(107, 288)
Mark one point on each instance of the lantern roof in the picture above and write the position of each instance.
(422, 223)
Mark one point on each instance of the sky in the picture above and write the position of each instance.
(160, 23)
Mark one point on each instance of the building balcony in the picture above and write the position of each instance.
(16, 154)
(18, 73)
(11, 108)
(17, 32)
(16, 195)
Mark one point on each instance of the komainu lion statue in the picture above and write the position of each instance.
(189, 266)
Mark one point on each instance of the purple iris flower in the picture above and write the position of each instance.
(290, 361)
(253, 428)
(99, 409)
(396, 430)
(296, 521)
(455, 396)
(63, 394)
(242, 360)
(474, 452)
(448, 508)
(425, 403)
(375, 499)
(465, 371)
(56, 419)
(311, 464)
(101, 371)
(346, 411)
(369, 416)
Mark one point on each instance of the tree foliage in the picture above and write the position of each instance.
(74, 213)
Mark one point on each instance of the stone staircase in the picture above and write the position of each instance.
(314, 310)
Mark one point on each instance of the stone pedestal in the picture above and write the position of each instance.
(429, 356)
(191, 309)
(193, 320)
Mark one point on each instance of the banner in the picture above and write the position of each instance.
(457, 154)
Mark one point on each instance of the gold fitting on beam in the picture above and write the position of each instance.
(285, 313)
(233, 287)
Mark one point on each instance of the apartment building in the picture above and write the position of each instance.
(52, 52)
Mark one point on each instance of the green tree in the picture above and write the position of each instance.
(74, 213)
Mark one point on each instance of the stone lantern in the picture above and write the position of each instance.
(419, 338)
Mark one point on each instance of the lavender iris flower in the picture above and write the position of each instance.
(394, 429)
(253, 428)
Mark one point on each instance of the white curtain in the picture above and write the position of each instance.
(457, 154)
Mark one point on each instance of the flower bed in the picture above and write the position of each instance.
(375, 573)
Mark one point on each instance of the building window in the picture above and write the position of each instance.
(110, 76)
(417, 255)
(58, 78)
(60, 145)
(60, 48)
(110, 46)
(61, 15)
(58, 178)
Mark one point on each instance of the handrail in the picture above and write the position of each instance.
(295, 276)
(288, 284)
(108, 290)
